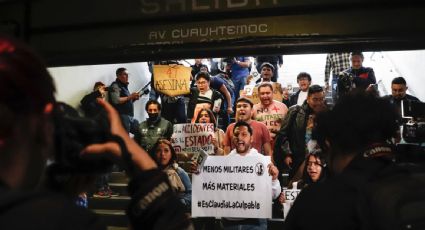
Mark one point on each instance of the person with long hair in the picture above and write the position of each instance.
(166, 158)
(207, 116)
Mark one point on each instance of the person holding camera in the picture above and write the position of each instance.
(89, 104)
(357, 77)
(27, 141)
(123, 100)
(94, 110)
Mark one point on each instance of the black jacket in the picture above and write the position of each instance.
(90, 106)
(397, 103)
(292, 134)
(293, 99)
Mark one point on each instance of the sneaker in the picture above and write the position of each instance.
(112, 193)
(102, 194)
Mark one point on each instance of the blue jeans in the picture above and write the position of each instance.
(239, 85)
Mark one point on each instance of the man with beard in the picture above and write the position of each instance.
(242, 140)
(398, 93)
(304, 81)
(268, 111)
(123, 100)
(294, 140)
(154, 128)
(261, 136)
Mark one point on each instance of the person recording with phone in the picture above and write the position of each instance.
(28, 139)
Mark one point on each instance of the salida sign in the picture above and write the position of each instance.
(172, 80)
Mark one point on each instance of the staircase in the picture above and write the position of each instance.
(112, 210)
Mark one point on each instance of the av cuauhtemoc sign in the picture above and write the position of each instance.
(233, 186)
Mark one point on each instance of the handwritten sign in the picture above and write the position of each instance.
(252, 93)
(233, 186)
(172, 80)
(190, 138)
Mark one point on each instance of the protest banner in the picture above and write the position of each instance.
(190, 138)
(233, 186)
(252, 92)
(172, 80)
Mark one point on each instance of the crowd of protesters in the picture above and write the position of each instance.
(296, 132)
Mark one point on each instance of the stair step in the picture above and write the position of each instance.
(120, 188)
(112, 203)
(112, 217)
(119, 177)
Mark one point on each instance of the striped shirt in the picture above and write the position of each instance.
(336, 62)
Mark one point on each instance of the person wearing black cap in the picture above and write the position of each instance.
(276, 61)
(267, 73)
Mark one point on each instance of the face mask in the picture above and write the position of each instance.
(153, 116)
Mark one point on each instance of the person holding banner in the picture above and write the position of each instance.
(202, 96)
(261, 136)
(207, 116)
(270, 112)
(166, 158)
(123, 100)
(243, 139)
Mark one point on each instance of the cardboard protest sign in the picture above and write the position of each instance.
(172, 80)
(190, 138)
(233, 186)
(252, 93)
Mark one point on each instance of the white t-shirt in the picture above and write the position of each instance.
(302, 96)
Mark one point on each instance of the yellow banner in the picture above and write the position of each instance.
(253, 95)
(172, 80)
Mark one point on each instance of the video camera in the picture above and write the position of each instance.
(72, 134)
(345, 83)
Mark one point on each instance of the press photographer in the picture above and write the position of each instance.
(27, 141)
(357, 77)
